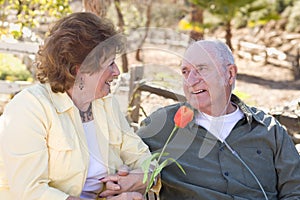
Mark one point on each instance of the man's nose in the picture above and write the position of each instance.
(116, 70)
(193, 78)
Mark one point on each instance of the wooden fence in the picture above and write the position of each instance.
(244, 49)
(270, 55)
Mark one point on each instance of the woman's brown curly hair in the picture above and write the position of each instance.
(71, 40)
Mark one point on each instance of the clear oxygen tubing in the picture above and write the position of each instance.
(247, 167)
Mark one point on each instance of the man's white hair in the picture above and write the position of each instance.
(217, 49)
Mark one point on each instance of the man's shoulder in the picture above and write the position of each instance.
(168, 109)
(161, 115)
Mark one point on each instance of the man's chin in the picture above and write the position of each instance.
(198, 105)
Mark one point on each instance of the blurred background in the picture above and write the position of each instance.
(264, 36)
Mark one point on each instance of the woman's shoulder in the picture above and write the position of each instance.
(29, 98)
(34, 91)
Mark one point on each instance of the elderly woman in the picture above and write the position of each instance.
(60, 137)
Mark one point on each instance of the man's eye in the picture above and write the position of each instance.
(200, 68)
(112, 63)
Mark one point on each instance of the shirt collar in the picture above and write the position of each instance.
(250, 113)
(61, 101)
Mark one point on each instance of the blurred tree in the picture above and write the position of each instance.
(260, 12)
(137, 14)
(167, 13)
(147, 25)
(226, 10)
(293, 15)
(196, 21)
(16, 15)
(98, 7)
(121, 25)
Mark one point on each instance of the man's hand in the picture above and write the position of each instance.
(72, 198)
(127, 196)
(123, 182)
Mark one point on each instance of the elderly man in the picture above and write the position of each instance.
(229, 150)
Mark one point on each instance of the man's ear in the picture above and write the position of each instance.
(232, 70)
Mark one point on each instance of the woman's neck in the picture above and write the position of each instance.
(84, 107)
(87, 115)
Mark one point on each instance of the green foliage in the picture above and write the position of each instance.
(166, 14)
(246, 12)
(12, 69)
(225, 9)
(163, 14)
(261, 12)
(134, 16)
(281, 5)
(30, 13)
(294, 18)
(242, 95)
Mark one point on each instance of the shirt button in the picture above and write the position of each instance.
(258, 151)
(226, 173)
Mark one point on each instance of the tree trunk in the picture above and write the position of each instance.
(98, 7)
(196, 20)
(121, 25)
(228, 35)
(148, 16)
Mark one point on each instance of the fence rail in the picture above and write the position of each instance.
(270, 55)
(19, 47)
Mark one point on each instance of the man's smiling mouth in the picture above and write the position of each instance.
(108, 82)
(198, 91)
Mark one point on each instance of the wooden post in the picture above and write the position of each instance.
(266, 56)
(297, 63)
(134, 97)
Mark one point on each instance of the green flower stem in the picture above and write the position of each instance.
(167, 142)
(149, 185)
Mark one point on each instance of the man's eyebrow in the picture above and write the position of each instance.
(183, 67)
(201, 64)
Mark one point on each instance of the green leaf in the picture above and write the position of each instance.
(178, 165)
(146, 165)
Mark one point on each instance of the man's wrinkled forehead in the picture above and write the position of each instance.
(196, 54)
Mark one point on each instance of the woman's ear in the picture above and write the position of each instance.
(77, 68)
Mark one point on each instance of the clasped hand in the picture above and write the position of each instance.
(124, 185)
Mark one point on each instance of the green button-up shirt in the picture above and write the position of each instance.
(212, 171)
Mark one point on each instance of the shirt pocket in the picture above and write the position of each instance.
(60, 151)
(115, 138)
(115, 146)
(261, 162)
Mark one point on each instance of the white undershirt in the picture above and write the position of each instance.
(96, 168)
(220, 126)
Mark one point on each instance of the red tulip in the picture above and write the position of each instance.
(183, 116)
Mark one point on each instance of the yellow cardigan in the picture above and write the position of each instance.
(43, 150)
